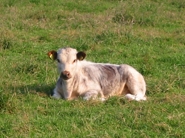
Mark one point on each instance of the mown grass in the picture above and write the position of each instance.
(149, 35)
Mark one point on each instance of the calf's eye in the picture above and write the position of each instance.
(74, 61)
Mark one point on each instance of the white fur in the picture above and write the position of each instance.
(97, 80)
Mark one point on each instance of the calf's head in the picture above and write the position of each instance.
(68, 60)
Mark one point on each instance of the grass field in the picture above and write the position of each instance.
(146, 34)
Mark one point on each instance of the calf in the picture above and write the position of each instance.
(89, 80)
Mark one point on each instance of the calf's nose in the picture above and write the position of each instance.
(66, 75)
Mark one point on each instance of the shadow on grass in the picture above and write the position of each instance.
(8, 100)
(39, 89)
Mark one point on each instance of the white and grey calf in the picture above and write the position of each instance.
(89, 80)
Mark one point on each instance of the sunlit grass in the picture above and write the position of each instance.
(148, 35)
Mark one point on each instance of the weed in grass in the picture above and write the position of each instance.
(5, 44)
(3, 101)
(6, 103)
(123, 18)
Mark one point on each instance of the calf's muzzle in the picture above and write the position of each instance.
(66, 75)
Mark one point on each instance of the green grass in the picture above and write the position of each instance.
(149, 35)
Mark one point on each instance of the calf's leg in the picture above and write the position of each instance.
(56, 94)
(92, 95)
(137, 88)
(134, 83)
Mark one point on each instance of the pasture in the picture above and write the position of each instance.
(146, 34)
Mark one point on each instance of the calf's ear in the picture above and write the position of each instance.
(52, 55)
(80, 55)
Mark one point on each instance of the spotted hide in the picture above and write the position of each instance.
(89, 80)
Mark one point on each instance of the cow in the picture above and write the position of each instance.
(89, 80)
